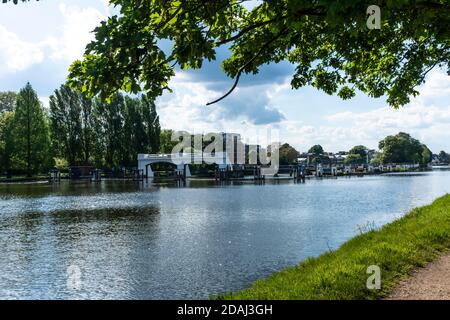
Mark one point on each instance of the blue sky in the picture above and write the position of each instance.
(39, 40)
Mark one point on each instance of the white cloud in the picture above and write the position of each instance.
(16, 54)
(303, 136)
(65, 44)
(45, 101)
(422, 118)
(76, 32)
(185, 108)
(437, 85)
(105, 5)
(427, 117)
(428, 123)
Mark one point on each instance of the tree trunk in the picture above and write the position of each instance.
(28, 138)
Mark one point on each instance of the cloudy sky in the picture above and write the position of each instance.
(39, 40)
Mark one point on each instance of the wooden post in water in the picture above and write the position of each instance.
(138, 175)
(301, 173)
(54, 176)
(96, 175)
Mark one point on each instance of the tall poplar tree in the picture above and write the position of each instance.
(152, 125)
(72, 125)
(66, 126)
(7, 101)
(30, 133)
(6, 143)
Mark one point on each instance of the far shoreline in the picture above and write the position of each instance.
(46, 180)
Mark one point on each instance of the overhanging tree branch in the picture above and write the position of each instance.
(247, 29)
(432, 5)
(241, 69)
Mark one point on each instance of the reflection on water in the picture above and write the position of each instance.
(135, 241)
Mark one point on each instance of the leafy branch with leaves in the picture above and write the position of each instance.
(326, 40)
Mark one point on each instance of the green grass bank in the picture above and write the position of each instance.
(397, 248)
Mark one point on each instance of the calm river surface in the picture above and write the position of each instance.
(130, 241)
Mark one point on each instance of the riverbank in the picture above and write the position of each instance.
(21, 180)
(429, 283)
(398, 248)
(46, 178)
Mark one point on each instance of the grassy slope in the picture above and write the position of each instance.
(397, 248)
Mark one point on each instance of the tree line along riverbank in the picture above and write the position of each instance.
(78, 131)
(397, 249)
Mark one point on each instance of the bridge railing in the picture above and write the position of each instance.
(187, 158)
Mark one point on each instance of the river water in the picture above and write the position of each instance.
(125, 240)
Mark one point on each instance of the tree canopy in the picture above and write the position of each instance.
(444, 157)
(357, 155)
(31, 138)
(316, 150)
(288, 154)
(123, 128)
(167, 144)
(402, 148)
(75, 130)
(326, 40)
(7, 101)
(15, 1)
(5, 141)
(359, 150)
(71, 125)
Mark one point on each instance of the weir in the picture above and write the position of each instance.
(182, 162)
(225, 168)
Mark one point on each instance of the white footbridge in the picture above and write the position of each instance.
(182, 161)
